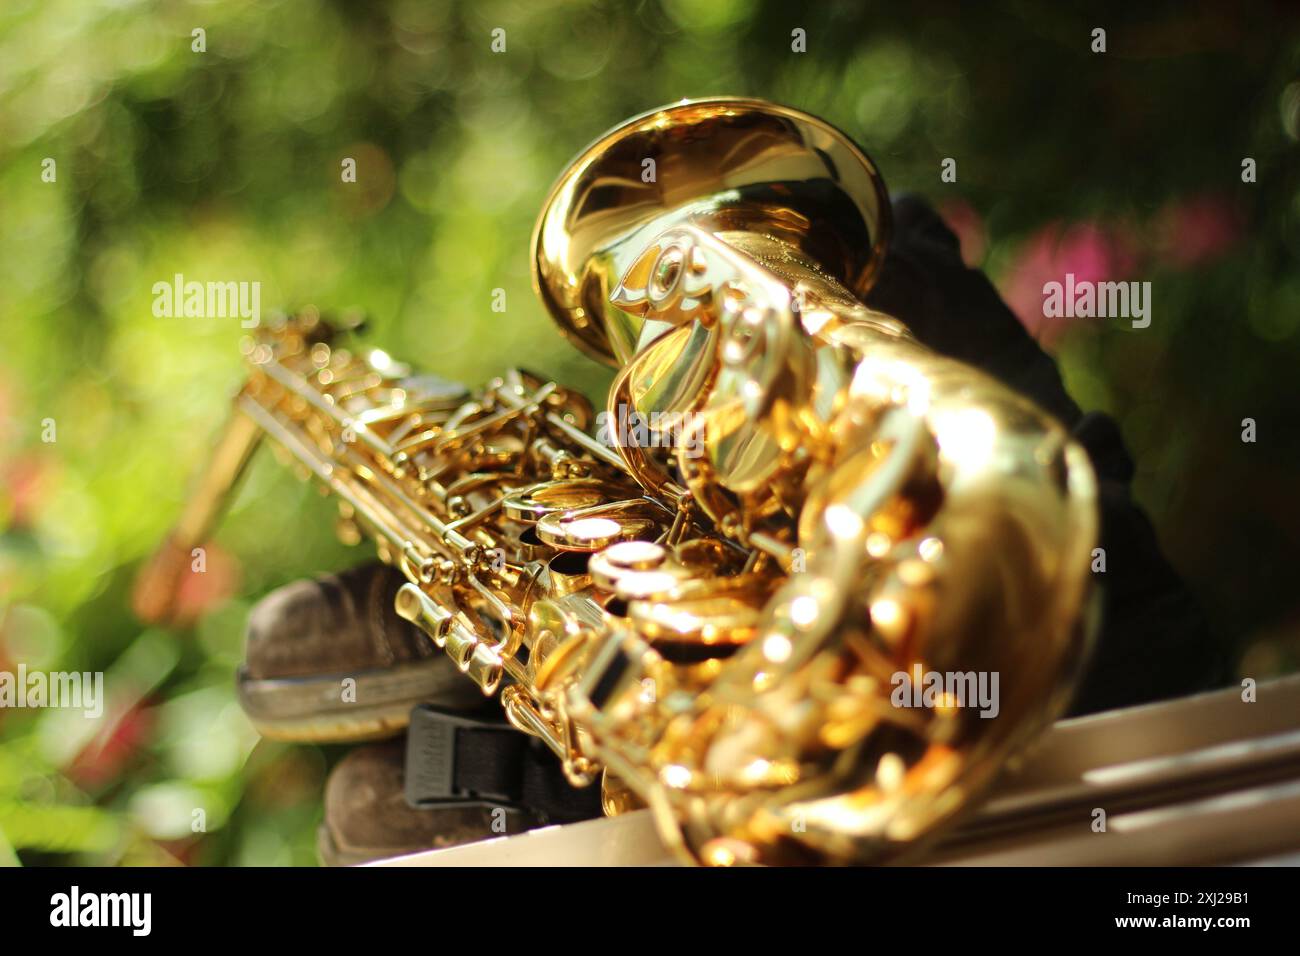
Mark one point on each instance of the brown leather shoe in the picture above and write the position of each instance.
(330, 660)
(367, 816)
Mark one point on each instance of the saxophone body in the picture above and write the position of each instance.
(809, 585)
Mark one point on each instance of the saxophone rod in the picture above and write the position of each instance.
(380, 518)
(384, 520)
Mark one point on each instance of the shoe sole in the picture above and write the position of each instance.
(328, 852)
(313, 709)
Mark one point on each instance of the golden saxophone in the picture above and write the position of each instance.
(730, 611)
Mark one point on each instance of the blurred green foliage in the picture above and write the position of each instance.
(225, 165)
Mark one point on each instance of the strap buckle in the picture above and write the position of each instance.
(434, 777)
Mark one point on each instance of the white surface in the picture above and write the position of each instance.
(629, 840)
(1111, 759)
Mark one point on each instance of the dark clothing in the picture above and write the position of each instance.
(1153, 641)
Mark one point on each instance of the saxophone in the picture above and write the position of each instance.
(760, 601)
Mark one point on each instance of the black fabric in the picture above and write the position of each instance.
(1153, 642)
(457, 758)
(490, 763)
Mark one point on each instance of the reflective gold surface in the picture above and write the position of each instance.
(726, 164)
(711, 610)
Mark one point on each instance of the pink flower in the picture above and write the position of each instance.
(1090, 251)
(106, 756)
(968, 226)
(23, 480)
(1191, 232)
(201, 591)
